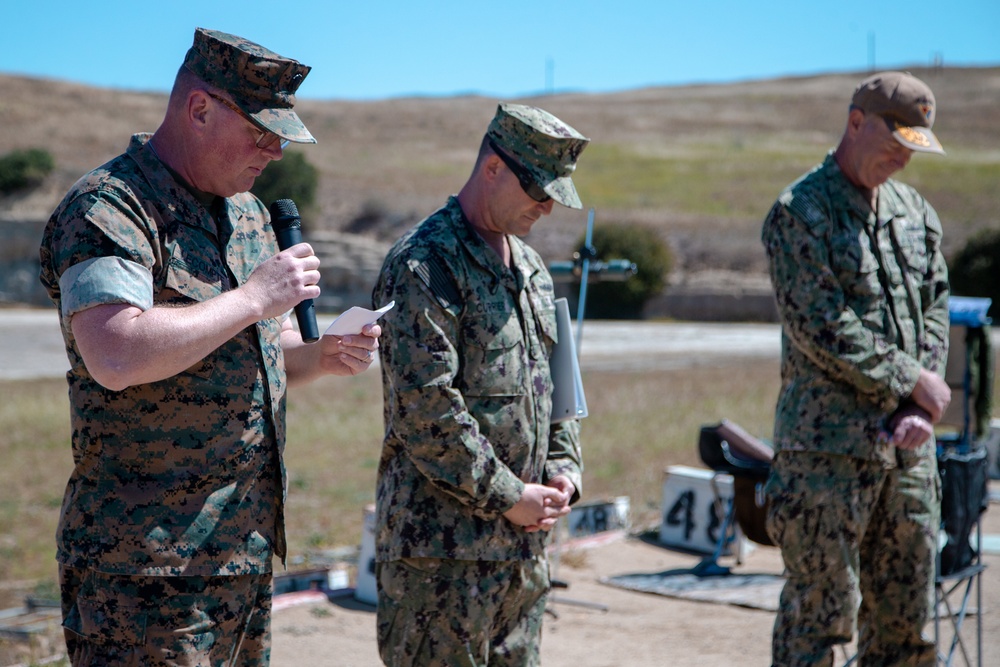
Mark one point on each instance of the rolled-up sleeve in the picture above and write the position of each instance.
(105, 280)
(101, 249)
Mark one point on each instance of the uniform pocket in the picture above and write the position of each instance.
(108, 620)
(804, 490)
(494, 360)
(855, 264)
(912, 241)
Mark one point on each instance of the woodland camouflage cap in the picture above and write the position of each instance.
(261, 82)
(906, 103)
(545, 146)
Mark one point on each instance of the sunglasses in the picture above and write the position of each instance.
(528, 184)
(266, 138)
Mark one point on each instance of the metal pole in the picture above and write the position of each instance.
(584, 271)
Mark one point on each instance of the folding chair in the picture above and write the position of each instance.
(964, 498)
(729, 450)
(963, 467)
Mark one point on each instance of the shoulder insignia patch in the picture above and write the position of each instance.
(440, 286)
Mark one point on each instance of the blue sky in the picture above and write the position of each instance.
(381, 49)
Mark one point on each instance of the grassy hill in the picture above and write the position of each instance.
(700, 164)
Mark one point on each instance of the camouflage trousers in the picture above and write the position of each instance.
(461, 613)
(859, 542)
(144, 621)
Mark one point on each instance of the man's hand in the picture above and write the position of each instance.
(539, 507)
(283, 281)
(910, 427)
(563, 483)
(932, 394)
(349, 355)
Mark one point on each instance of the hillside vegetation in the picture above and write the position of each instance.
(700, 164)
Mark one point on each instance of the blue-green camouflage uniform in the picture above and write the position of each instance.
(465, 366)
(183, 476)
(863, 303)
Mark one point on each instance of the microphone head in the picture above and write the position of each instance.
(284, 214)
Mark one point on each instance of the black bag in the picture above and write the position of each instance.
(964, 496)
(751, 515)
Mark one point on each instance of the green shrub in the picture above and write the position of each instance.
(291, 177)
(643, 247)
(22, 169)
(975, 269)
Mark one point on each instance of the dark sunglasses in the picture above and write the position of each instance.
(266, 138)
(528, 184)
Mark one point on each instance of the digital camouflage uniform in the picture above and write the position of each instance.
(177, 489)
(863, 303)
(181, 477)
(465, 368)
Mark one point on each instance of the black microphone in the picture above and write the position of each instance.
(288, 228)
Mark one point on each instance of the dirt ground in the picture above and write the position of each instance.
(597, 625)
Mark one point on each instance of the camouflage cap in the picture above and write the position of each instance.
(906, 103)
(261, 82)
(545, 146)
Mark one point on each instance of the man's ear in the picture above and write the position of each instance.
(491, 166)
(197, 107)
(855, 119)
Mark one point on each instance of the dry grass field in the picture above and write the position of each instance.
(642, 423)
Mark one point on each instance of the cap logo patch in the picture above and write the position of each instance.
(912, 136)
(926, 109)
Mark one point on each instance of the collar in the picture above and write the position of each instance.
(888, 201)
(480, 252)
(180, 202)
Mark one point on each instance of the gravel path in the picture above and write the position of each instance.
(33, 347)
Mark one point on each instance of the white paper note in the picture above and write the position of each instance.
(352, 320)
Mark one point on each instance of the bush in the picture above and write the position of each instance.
(975, 269)
(27, 168)
(291, 177)
(643, 247)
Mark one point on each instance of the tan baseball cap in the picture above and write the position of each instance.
(906, 103)
(261, 82)
(544, 146)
